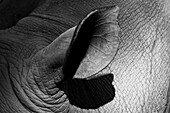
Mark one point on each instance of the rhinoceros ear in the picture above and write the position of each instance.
(92, 48)
(94, 43)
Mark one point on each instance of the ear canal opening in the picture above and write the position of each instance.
(79, 45)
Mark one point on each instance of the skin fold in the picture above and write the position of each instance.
(11, 11)
(33, 52)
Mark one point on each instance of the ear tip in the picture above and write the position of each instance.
(105, 9)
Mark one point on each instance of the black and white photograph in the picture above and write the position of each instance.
(84, 56)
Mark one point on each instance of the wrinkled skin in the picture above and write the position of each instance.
(12, 11)
(140, 68)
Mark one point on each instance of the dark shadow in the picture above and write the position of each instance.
(11, 11)
(89, 94)
(79, 45)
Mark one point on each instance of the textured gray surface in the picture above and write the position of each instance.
(141, 66)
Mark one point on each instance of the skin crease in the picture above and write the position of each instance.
(11, 11)
(140, 68)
